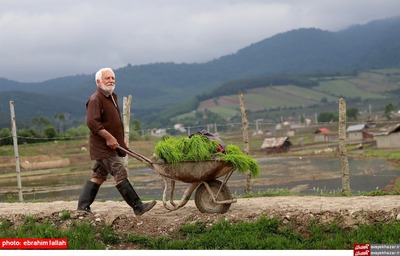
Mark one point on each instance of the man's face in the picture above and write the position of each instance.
(107, 82)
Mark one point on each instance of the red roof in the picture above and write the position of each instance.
(325, 131)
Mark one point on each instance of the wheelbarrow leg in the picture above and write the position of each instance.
(171, 196)
(185, 197)
(227, 176)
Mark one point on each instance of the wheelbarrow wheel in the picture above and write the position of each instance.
(204, 201)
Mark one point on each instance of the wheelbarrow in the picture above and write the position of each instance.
(211, 196)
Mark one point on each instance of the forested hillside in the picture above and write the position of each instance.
(297, 55)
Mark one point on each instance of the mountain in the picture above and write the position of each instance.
(160, 86)
(29, 105)
(313, 50)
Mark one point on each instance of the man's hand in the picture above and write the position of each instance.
(111, 141)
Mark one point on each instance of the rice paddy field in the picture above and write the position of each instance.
(369, 86)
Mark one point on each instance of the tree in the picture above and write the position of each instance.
(27, 135)
(327, 117)
(49, 131)
(60, 117)
(202, 117)
(5, 136)
(39, 123)
(81, 130)
(136, 125)
(389, 108)
(302, 119)
(352, 113)
(136, 128)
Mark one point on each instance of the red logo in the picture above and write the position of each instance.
(362, 250)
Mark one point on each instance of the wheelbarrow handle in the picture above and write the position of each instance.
(136, 155)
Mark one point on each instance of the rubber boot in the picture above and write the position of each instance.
(132, 199)
(87, 196)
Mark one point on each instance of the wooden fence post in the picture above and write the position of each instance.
(245, 128)
(15, 142)
(127, 117)
(342, 147)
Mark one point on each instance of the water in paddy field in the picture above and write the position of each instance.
(315, 175)
(303, 175)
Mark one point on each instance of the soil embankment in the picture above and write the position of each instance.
(300, 210)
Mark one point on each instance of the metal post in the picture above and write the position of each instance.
(15, 141)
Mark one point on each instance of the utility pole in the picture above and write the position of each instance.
(15, 142)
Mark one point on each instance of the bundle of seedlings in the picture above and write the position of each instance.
(174, 150)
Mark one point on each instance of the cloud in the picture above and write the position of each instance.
(44, 39)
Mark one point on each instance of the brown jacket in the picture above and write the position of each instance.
(101, 113)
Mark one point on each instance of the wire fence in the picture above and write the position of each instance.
(255, 128)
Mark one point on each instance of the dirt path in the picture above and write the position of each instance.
(300, 210)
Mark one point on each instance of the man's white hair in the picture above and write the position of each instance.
(99, 74)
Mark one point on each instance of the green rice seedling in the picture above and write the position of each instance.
(254, 168)
(233, 149)
(240, 160)
(175, 150)
(199, 148)
(181, 144)
(167, 149)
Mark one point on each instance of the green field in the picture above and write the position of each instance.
(346, 89)
(372, 85)
(305, 93)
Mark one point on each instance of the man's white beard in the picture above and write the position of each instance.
(109, 90)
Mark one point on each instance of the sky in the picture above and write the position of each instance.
(46, 39)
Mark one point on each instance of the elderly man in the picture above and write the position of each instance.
(103, 117)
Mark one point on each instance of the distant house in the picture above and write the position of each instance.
(158, 132)
(180, 127)
(322, 135)
(358, 132)
(389, 137)
(276, 145)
